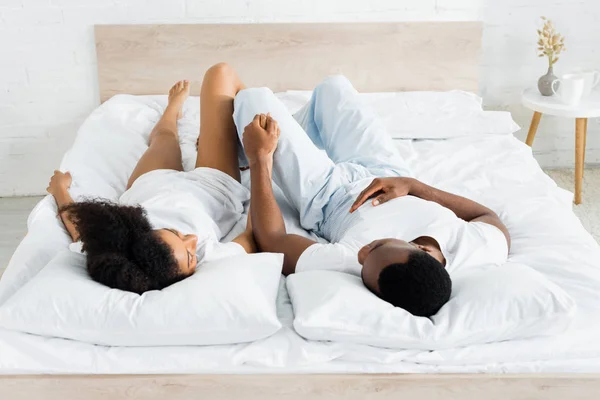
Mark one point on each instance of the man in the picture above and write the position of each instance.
(403, 243)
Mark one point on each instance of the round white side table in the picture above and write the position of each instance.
(551, 105)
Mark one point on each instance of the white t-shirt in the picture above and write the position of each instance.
(464, 245)
(205, 202)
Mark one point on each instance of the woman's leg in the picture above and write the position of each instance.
(218, 140)
(163, 150)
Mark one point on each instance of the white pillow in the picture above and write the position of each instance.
(294, 100)
(230, 300)
(107, 147)
(500, 303)
(425, 115)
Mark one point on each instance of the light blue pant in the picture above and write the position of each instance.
(331, 142)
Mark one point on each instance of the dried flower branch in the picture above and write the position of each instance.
(550, 43)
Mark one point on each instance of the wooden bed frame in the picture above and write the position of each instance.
(147, 59)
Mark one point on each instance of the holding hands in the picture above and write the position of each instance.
(260, 139)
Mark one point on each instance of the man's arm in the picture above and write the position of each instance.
(464, 208)
(59, 189)
(267, 222)
(385, 189)
(268, 226)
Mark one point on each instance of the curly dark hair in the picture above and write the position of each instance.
(123, 252)
(421, 286)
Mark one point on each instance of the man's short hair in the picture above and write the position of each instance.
(421, 286)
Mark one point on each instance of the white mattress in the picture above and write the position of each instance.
(496, 170)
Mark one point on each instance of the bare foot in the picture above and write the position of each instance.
(178, 95)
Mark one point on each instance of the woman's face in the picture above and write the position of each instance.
(184, 249)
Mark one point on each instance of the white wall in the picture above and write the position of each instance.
(48, 72)
(510, 63)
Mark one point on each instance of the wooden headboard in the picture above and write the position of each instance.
(376, 57)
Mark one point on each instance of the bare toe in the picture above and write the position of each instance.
(178, 95)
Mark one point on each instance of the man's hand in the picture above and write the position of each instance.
(260, 138)
(59, 183)
(383, 189)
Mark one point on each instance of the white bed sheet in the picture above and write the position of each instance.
(497, 170)
(287, 352)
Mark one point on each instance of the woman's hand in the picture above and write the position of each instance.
(260, 138)
(59, 188)
(59, 183)
(384, 189)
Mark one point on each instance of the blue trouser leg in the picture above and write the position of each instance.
(305, 174)
(337, 121)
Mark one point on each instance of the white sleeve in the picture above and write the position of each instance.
(329, 256)
(217, 250)
(76, 247)
(477, 244)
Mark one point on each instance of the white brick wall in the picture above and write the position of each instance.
(510, 63)
(48, 73)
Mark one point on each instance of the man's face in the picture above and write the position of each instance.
(377, 255)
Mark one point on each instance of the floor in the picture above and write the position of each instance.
(13, 219)
(589, 209)
(14, 210)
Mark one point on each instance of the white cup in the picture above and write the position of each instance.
(591, 79)
(570, 90)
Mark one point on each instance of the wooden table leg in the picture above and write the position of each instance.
(584, 144)
(535, 122)
(579, 156)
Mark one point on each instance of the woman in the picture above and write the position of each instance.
(168, 220)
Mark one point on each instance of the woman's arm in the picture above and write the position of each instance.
(246, 238)
(59, 188)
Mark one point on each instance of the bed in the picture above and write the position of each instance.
(498, 170)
